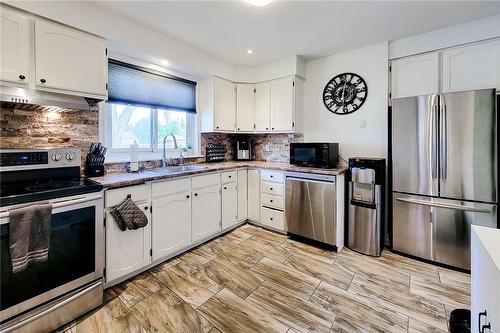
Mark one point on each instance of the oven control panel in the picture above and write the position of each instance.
(19, 159)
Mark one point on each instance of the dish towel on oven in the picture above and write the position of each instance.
(128, 216)
(29, 235)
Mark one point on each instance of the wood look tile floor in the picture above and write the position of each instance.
(254, 280)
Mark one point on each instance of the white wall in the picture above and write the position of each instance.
(473, 31)
(371, 63)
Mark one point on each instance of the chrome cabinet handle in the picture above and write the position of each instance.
(443, 142)
(444, 205)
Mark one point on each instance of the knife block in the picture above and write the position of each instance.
(93, 169)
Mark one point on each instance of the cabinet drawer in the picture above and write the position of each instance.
(138, 193)
(272, 176)
(272, 218)
(272, 188)
(205, 180)
(170, 187)
(272, 200)
(228, 177)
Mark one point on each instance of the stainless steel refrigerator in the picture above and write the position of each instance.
(444, 173)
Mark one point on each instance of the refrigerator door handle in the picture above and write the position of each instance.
(445, 205)
(434, 139)
(443, 140)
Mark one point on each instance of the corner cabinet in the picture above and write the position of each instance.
(266, 107)
(414, 76)
(15, 47)
(70, 60)
(245, 102)
(242, 195)
(471, 67)
(254, 195)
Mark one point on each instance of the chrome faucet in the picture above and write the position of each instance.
(164, 159)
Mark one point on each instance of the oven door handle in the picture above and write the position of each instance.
(52, 308)
(64, 203)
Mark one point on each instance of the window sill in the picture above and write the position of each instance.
(112, 158)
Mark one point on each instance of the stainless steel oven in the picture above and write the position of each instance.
(44, 295)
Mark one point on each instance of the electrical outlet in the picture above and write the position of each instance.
(267, 148)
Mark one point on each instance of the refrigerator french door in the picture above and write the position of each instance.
(444, 152)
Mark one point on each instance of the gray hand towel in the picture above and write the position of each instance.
(127, 214)
(29, 235)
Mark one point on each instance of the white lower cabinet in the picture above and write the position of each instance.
(485, 280)
(229, 205)
(242, 195)
(127, 251)
(272, 218)
(171, 224)
(254, 195)
(206, 212)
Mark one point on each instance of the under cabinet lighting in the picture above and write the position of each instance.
(249, 51)
(164, 62)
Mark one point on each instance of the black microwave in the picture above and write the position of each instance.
(315, 154)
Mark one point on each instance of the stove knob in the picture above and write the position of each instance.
(69, 156)
(56, 157)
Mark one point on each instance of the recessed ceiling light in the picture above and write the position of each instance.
(259, 3)
(164, 62)
(249, 51)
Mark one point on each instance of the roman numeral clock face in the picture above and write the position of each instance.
(345, 93)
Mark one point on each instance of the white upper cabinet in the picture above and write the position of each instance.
(262, 111)
(69, 60)
(245, 100)
(471, 67)
(283, 104)
(14, 47)
(224, 105)
(171, 224)
(265, 107)
(414, 76)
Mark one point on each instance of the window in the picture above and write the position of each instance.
(148, 126)
(148, 106)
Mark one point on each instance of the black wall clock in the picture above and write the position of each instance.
(345, 93)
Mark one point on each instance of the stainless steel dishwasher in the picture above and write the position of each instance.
(310, 206)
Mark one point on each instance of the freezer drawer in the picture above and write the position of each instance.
(412, 227)
(438, 229)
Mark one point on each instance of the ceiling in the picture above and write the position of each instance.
(227, 29)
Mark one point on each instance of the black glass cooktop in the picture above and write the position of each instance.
(35, 190)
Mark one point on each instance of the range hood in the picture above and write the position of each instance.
(36, 97)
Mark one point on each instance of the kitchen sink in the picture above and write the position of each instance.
(178, 169)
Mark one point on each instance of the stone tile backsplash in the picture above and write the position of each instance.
(265, 147)
(46, 127)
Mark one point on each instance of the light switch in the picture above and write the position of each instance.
(362, 123)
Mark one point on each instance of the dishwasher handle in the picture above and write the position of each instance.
(308, 180)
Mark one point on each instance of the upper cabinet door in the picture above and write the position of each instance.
(282, 104)
(262, 111)
(472, 67)
(415, 76)
(245, 96)
(69, 60)
(15, 47)
(224, 105)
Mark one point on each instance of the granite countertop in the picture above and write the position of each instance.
(121, 179)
